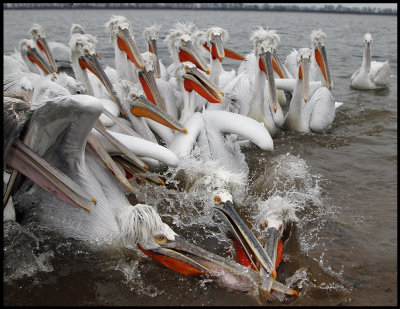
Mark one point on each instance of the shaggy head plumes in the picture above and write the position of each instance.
(264, 40)
(116, 23)
(151, 33)
(318, 37)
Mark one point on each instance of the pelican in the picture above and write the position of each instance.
(309, 111)
(183, 49)
(250, 251)
(113, 221)
(371, 74)
(151, 36)
(263, 104)
(319, 68)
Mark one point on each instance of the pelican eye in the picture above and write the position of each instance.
(160, 239)
(182, 41)
(217, 200)
(133, 96)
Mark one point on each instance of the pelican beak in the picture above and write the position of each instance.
(35, 57)
(188, 259)
(367, 47)
(194, 80)
(142, 107)
(153, 49)
(304, 73)
(249, 248)
(278, 66)
(27, 162)
(150, 88)
(266, 66)
(91, 62)
(273, 245)
(127, 45)
(188, 53)
(42, 44)
(217, 48)
(229, 53)
(322, 61)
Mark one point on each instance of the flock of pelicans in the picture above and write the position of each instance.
(79, 131)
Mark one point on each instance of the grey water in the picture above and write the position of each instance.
(343, 248)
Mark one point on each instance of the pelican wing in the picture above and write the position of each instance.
(323, 112)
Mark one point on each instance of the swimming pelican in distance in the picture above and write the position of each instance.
(151, 35)
(309, 111)
(371, 74)
(249, 249)
(319, 68)
(113, 221)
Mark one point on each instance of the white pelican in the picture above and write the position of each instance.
(309, 111)
(183, 49)
(250, 252)
(371, 74)
(151, 36)
(319, 68)
(263, 104)
(113, 221)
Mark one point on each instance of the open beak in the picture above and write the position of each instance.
(189, 53)
(194, 80)
(150, 88)
(266, 66)
(304, 75)
(42, 44)
(367, 46)
(322, 61)
(127, 45)
(27, 162)
(35, 57)
(91, 62)
(188, 259)
(153, 49)
(217, 48)
(248, 245)
(278, 66)
(142, 107)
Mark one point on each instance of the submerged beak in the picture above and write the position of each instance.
(42, 44)
(194, 80)
(367, 47)
(217, 48)
(150, 88)
(247, 243)
(91, 62)
(35, 57)
(322, 61)
(27, 162)
(153, 49)
(188, 259)
(188, 53)
(127, 45)
(266, 66)
(304, 73)
(142, 107)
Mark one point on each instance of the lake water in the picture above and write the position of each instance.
(343, 249)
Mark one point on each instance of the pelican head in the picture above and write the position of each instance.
(303, 62)
(76, 29)
(367, 50)
(318, 41)
(265, 44)
(249, 248)
(151, 36)
(121, 32)
(217, 36)
(182, 48)
(132, 96)
(39, 37)
(140, 225)
(32, 58)
(193, 79)
(84, 56)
